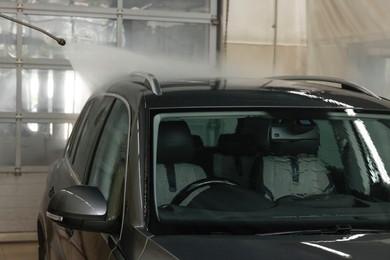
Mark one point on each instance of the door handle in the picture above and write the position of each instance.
(69, 232)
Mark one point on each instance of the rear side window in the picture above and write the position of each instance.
(88, 133)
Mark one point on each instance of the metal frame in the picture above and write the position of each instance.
(343, 83)
(148, 80)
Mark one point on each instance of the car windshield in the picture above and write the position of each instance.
(272, 170)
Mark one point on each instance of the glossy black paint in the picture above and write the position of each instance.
(81, 199)
(276, 93)
(227, 94)
(81, 207)
(350, 246)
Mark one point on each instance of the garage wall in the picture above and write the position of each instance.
(20, 197)
(42, 94)
(264, 38)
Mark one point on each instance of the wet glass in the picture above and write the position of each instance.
(261, 171)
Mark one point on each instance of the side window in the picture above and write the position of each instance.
(109, 163)
(89, 132)
(70, 148)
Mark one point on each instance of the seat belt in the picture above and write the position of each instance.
(171, 177)
(295, 170)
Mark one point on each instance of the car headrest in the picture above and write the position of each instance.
(293, 138)
(237, 144)
(198, 143)
(175, 143)
(259, 128)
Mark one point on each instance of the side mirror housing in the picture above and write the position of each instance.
(81, 207)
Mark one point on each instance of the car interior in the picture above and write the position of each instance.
(274, 157)
(174, 167)
(266, 164)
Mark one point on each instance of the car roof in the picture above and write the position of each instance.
(265, 92)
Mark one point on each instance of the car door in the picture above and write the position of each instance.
(107, 172)
(72, 170)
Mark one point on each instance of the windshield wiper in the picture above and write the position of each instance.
(337, 230)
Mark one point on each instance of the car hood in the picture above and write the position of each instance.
(356, 246)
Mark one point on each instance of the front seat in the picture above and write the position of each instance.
(175, 152)
(235, 156)
(293, 167)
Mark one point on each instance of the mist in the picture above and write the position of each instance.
(100, 65)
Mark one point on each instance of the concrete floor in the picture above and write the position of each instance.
(19, 250)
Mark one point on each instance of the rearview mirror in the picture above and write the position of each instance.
(81, 207)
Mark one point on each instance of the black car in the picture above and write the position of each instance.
(285, 167)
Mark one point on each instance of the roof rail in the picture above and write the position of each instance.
(148, 80)
(344, 83)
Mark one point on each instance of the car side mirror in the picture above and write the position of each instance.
(81, 207)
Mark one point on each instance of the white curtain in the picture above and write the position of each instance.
(349, 39)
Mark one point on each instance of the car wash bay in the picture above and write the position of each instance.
(44, 85)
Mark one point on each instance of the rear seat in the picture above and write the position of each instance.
(293, 167)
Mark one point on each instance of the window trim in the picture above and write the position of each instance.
(117, 237)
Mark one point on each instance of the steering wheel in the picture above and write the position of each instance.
(290, 197)
(196, 185)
